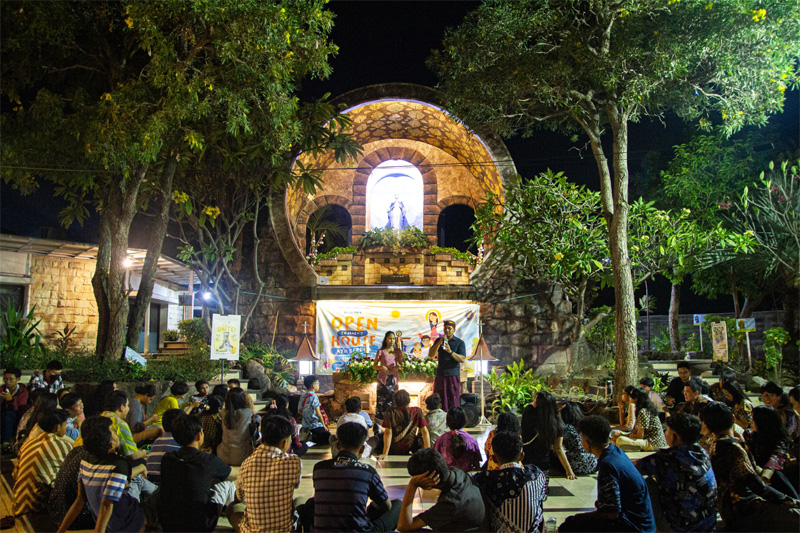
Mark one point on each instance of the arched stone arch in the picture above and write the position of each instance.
(365, 167)
(313, 206)
(456, 200)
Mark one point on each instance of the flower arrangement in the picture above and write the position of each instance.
(418, 368)
(360, 369)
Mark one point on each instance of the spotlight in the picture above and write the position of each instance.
(206, 296)
(127, 263)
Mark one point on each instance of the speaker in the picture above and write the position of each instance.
(473, 414)
(469, 398)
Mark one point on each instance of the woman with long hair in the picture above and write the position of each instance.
(768, 442)
(582, 462)
(543, 432)
(237, 428)
(648, 433)
(506, 422)
(387, 362)
(773, 395)
(405, 429)
(95, 404)
(29, 423)
(459, 448)
(736, 399)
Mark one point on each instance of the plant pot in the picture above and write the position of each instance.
(459, 263)
(443, 257)
(327, 262)
(344, 257)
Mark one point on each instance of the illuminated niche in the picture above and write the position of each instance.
(394, 196)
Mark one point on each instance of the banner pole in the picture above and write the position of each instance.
(749, 357)
(701, 336)
(483, 421)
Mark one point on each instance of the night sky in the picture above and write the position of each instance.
(382, 42)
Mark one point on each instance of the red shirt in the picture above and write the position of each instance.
(19, 401)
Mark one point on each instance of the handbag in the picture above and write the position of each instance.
(321, 410)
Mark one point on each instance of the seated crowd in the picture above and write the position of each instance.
(117, 470)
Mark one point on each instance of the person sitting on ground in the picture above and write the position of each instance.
(674, 393)
(623, 503)
(513, 494)
(39, 461)
(405, 429)
(193, 488)
(44, 402)
(14, 402)
(355, 415)
(65, 486)
(647, 383)
(94, 405)
(506, 422)
(436, 417)
(648, 433)
(139, 426)
(234, 383)
(212, 424)
(768, 442)
(279, 406)
(220, 390)
(459, 506)
(582, 462)
(266, 481)
(736, 399)
(459, 448)
(177, 392)
(543, 433)
(627, 413)
(773, 395)
(745, 502)
(50, 379)
(116, 408)
(201, 386)
(163, 445)
(342, 487)
(695, 401)
(73, 405)
(238, 427)
(112, 487)
(315, 421)
(725, 375)
(683, 491)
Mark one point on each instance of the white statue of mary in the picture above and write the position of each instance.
(397, 214)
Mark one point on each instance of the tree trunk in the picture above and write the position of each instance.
(100, 286)
(119, 208)
(751, 304)
(150, 267)
(791, 302)
(674, 309)
(627, 359)
(735, 294)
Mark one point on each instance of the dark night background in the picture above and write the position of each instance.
(389, 41)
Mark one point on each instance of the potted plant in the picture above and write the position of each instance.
(171, 335)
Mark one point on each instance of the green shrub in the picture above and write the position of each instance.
(194, 332)
(171, 335)
(457, 254)
(411, 237)
(516, 387)
(21, 338)
(334, 252)
(277, 368)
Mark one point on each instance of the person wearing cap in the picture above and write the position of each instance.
(451, 353)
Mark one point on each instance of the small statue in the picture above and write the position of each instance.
(397, 215)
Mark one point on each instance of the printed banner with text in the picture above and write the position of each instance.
(345, 327)
(225, 336)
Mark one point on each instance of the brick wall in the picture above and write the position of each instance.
(62, 291)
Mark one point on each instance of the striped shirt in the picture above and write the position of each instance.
(162, 445)
(126, 443)
(106, 478)
(39, 460)
(341, 489)
(514, 496)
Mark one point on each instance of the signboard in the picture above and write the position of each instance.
(132, 356)
(358, 326)
(698, 319)
(746, 325)
(719, 338)
(225, 331)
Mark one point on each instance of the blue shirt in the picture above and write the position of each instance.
(621, 489)
(106, 479)
(309, 405)
(686, 484)
(342, 487)
(161, 446)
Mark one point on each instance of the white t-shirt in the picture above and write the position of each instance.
(656, 399)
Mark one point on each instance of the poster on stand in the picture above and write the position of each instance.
(348, 327)
(225, 331)
(719, 337)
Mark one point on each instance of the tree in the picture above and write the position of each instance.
(223, 198)
(117, 93)
(515, 66)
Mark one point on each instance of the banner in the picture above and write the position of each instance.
(746, 325)
(345, 327)
(719, 336)
(225, 336)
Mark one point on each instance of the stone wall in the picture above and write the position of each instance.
(61, 290)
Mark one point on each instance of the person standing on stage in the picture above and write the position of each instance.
(387, 363)
(452, 352)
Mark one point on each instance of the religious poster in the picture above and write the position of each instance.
(347, 327)
(746, 325)
(225, 331)
(719, 337)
